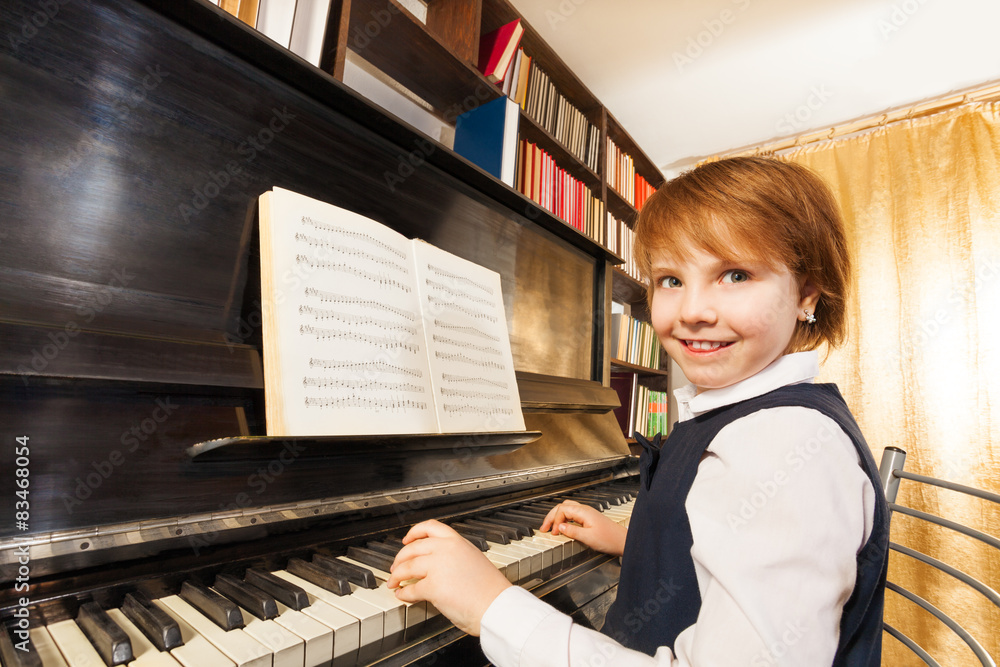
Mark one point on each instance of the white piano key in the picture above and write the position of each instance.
(506, 564)
(239, 647)
(369, 618)
(553, 547)
(413, 614)
(76, 649)
(287, 649)
(144, 654)
(318, 638)
(543, 551)
(529, 559)
(46, 648)
(196, 651)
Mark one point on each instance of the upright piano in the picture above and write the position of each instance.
(136, 138)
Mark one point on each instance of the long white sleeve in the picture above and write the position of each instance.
(778, 511)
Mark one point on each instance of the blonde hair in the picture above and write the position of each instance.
(761, 210)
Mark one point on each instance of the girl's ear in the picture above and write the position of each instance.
(808, 298)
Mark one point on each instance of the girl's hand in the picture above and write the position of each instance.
(590, 527)
(450, 573)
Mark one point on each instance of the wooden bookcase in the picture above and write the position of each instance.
(436, 61)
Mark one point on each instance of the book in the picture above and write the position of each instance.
(487, 136)
(366, 331)
(274, 19)
(309, 29)
(496, 50)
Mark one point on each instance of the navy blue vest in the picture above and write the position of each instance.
(658, 593)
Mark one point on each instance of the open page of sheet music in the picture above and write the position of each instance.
(367, 332)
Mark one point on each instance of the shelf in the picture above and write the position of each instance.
(643, 165)
(409, 52)
(620, 366)
(535, 133)
(620, 208)
(626, 289)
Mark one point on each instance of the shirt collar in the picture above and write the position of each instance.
(787, 369)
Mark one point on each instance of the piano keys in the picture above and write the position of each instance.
(335, 611)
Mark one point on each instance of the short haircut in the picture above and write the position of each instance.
(755, 209)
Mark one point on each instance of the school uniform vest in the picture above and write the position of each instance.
(658, 593)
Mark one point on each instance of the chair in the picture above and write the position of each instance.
(891, 472)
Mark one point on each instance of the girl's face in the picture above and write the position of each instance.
(723, 322)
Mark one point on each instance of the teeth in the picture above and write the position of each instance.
(704, 344)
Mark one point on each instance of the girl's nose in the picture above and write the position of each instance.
(697, 308)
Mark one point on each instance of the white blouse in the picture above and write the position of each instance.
(778, 511)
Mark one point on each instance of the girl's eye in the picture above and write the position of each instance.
(670, 282)
(735, 276)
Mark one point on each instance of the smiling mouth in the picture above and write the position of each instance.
(705, 345)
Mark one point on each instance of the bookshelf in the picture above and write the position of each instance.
(435, 60)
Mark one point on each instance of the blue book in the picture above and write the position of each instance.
(487, 136)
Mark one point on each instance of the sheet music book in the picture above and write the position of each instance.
(368, 332)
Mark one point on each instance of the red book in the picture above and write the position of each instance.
(496, 50)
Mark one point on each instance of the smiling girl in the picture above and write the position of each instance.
(759, 535)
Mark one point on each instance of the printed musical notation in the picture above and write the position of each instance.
(488, 349)
(354, 234)
(476, 314)
(465, 359)
(364, 385)
(363, 367)
(441, 287)
(333, 297)
(379, 279)
(460, 279)
(469, 379)
(367, 323)
(383, 342)
(353, 252)
(472, 331)
(373, 404)
(357, 320)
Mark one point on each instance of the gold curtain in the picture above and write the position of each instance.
(921, 368)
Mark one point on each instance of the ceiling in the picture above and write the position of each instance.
(693, 78)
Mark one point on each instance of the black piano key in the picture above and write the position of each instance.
(11, 656)
(370, 558)
(394, 542)
(110, 641)
(487, 534)
(285, 592)
(476, 540)
(382, 548)
(251, 598)
(354, 574)
(533, 511)
(602, 503)
(528, 519)
(597, 505)
(522, 527)
(511, 534)
(221, 611)
(314, 574)
(608, 498)
(156, 624)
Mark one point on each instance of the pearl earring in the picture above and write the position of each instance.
(810, 318)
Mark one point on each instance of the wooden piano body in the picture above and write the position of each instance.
(136, 137)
